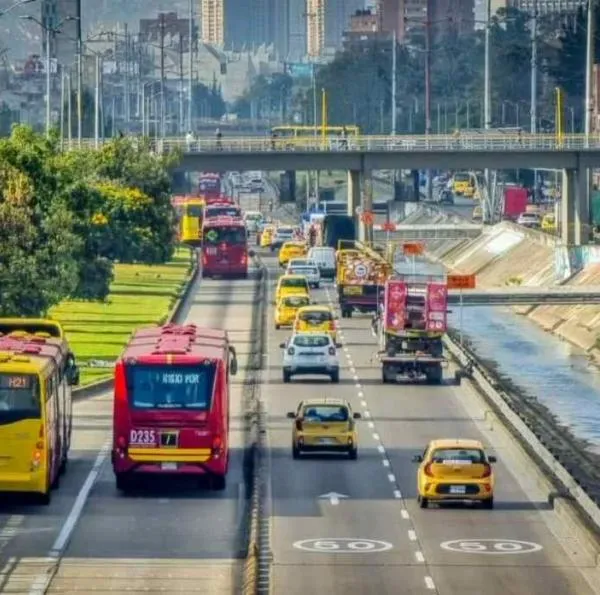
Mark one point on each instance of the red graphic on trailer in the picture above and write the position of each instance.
(436, 307)
(395, 305)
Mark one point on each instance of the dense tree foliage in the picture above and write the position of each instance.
(66, 217)
(359, 82)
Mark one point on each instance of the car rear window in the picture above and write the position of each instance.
(324, 413)
(311, 341)
(295, 302)
(316, 316)
(303, 270)
(458, 456)
(293, 283)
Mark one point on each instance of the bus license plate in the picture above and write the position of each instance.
(353, 290)
(168, 466)
(458, 489)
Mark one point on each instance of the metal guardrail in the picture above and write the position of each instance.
(466, 142)
(534, 298)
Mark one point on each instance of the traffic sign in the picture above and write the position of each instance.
(361, 270)
(496, 547)
(343, 545)
(413, 248)
(461, 282)
(388, 226)
(367, 218)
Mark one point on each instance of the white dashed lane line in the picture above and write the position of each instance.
(412, 534)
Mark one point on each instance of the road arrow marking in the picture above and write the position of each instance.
(333, 497)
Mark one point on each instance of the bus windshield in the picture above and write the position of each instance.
(171, 387)
(462, 177)
(229, 211)
(193, 210)
(226, 235)
(19, 397)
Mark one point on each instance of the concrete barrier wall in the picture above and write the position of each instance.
(506, 254)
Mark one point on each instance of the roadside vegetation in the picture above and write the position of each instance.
(67, 217)
(140, 295)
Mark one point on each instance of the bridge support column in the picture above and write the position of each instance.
(366, 231)
(354, 188)
(582, 207)
(567, 207)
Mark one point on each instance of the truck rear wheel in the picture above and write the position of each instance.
(434, 375)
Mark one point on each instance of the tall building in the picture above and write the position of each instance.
(212, 17)
(547, 6)
(59, 14)
(297, 38)
(337, 18)
(250, 23)
(403, 15)
(315, 27)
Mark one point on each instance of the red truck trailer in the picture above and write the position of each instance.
(515, 202)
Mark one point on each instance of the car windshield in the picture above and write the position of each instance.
(293, 282)
(316, 316)
(448, 456)
(225, 235)
(295, 301)
(296, 270)
(311, 340)
(193, 210)
(171, 387)
(325, 413)
(298, 262)
(285, 231)
(19, 397)
(462, 178)
(230, 211)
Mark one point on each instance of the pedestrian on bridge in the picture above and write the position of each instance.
(219, 136)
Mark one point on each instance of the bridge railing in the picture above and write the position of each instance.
(435, 142)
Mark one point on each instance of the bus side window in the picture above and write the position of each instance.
(72, 370)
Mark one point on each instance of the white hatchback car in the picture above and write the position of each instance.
(310, 354)
(310, 271)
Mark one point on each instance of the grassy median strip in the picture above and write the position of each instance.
(140, 295)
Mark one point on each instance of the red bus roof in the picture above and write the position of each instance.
(224, 221)
(34, 347)
(175, 344)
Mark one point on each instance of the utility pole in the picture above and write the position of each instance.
(181, 122)
(534, 77)
(162, 75)
(428, 90)
(127, 95)
(589, 70)
(487, 106)
(191, 65)
(48, 89)
(394, 83)
(97, 104)
(79, 74)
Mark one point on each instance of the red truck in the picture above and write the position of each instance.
(515, 202)
(411, 327)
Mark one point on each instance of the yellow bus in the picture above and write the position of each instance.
(37, 371)
(191, 222)
(295, 131)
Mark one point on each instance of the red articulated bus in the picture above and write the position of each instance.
(222, 209)
(171, 404)
(225, 250)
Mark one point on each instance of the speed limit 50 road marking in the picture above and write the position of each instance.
(497, 547)
(343, 545)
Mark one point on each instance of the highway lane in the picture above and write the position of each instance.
(381, 505)
(169, 536)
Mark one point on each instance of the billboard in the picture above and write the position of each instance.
(299, 69)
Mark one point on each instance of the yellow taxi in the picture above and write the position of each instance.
(287, 308)
(316, 319)
(549, 223)
(266, 236)
(455, 470)
(324, 425)
(291, 285)
(463, 184)
(291, 250)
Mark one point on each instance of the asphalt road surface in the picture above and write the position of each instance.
(354, 527)
(168, 537)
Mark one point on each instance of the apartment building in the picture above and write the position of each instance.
(213, 22)
(315, 27)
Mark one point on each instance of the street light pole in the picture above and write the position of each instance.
(191, 65)
(97, 104)
(79, 74)
(487, 74)
(48, 37)
(162, 75)
(589, 70)
(394, 84)
(428, 91)
(534, 72)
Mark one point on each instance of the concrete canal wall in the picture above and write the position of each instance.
(506, 254)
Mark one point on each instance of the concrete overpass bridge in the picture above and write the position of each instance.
(573, 154)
